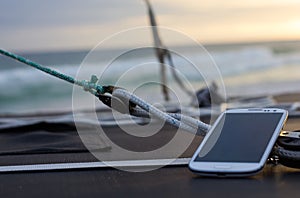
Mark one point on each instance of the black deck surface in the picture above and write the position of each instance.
(172, 181)
(165, 182)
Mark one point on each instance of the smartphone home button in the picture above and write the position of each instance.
(222, 166)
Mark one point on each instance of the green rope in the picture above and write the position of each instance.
(90, 86)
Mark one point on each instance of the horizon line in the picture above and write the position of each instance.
(205, 44)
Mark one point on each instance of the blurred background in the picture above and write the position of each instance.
(254, 43)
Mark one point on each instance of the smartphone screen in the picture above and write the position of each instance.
(240, 137)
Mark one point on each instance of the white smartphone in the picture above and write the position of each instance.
(239, 142)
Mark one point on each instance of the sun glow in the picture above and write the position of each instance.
(206, 20)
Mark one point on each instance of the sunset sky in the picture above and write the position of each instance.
(34, 25)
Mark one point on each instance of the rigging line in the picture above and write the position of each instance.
(159, 49)
(98, 90)
(90, 86)
(201, 126)
(162, 53)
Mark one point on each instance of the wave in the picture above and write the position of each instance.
(138, 67)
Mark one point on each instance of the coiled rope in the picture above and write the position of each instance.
(139, 108)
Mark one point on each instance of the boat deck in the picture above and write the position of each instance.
(99, 180)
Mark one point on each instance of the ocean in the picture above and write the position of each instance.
(247, 69)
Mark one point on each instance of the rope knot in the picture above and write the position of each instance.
(90, 85)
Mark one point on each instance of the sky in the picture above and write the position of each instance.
(40, 25)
